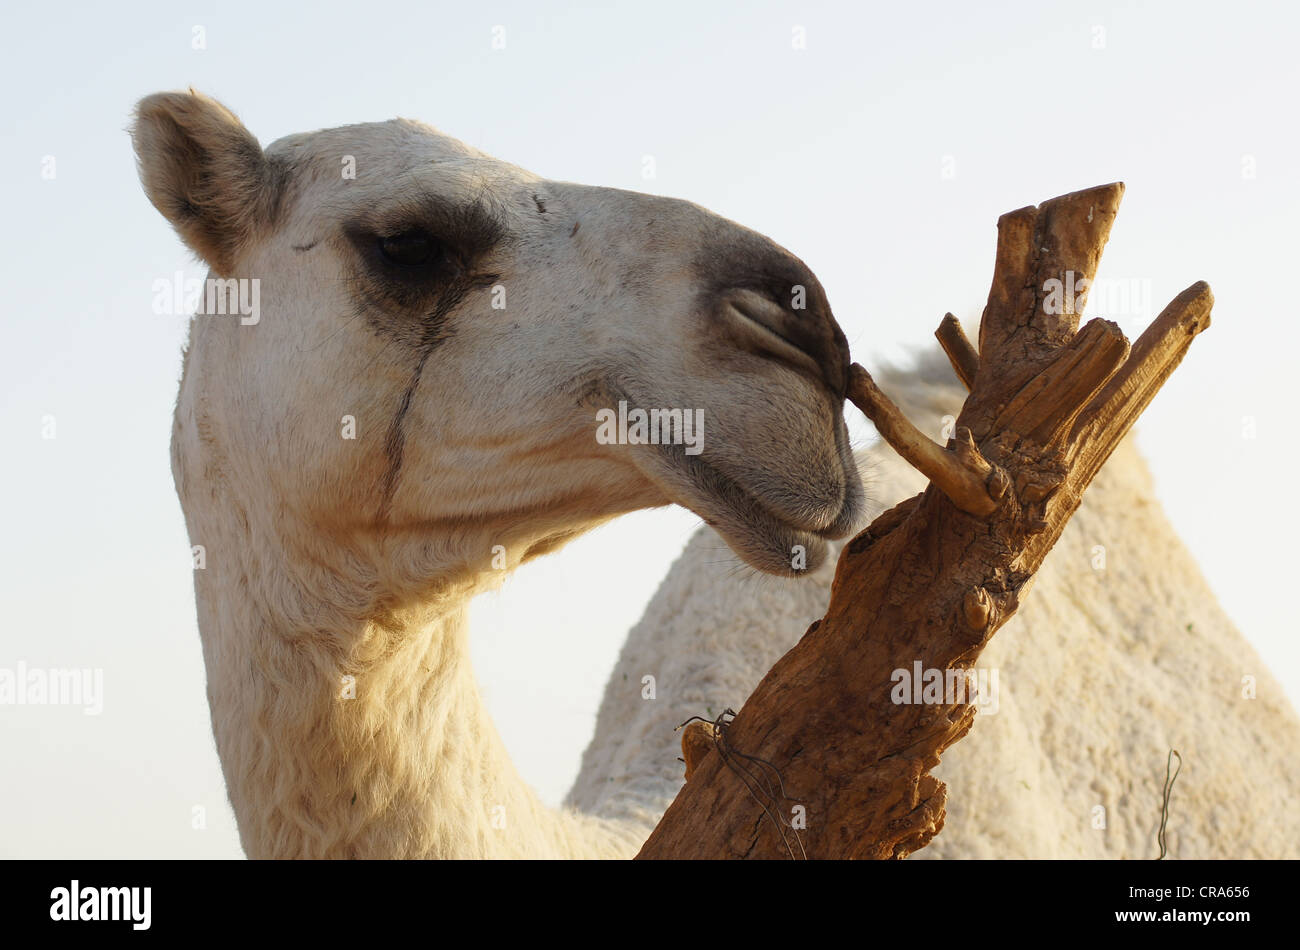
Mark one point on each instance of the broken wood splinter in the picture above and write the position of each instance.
(961, 352)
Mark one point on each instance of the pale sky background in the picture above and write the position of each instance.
(882, 154)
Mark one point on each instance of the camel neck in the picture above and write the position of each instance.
(355, 737)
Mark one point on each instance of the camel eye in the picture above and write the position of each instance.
(408, 249)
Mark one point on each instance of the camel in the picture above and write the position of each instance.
(413, 413)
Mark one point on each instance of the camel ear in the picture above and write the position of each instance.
(205, 172)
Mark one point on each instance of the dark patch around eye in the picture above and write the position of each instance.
(416, 263)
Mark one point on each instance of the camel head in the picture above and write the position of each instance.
(437, 333)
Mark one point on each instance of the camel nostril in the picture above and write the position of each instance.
(806, 338)
(766, 324)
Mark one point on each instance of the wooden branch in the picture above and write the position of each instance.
(962, 473)
(830, 756)
(961, 352)
(1047, 257)
(1156, 354)
(1055, 397)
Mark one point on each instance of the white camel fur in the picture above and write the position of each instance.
(464, 320)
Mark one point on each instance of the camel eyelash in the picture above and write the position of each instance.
(465, 230)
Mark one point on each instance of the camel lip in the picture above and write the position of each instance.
(824, 526)
(750, 524)
(764, 539)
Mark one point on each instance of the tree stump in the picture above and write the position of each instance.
(821, 762)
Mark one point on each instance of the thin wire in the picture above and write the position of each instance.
(753, 783)
(1164, 808)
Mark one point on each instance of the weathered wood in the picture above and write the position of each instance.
(821, 761)
(961, 353)
(961, 473)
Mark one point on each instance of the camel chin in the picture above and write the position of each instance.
(787, 541)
